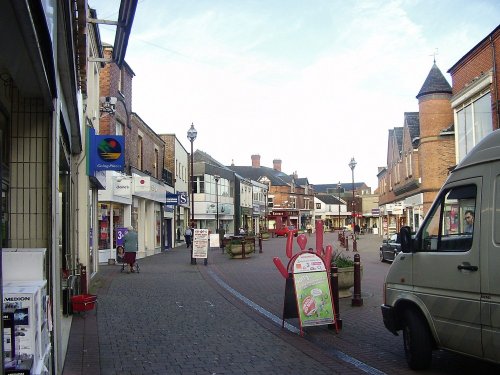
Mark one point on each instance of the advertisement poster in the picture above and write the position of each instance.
(314, 300)
(214, 240)
(120, 250)
(200, 243)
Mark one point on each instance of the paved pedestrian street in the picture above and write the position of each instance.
(225, 318)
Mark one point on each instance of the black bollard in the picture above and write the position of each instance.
(346, 243)
(356, 297)
(334, 283)
(354, 245)
(260, 244)
(243, 249)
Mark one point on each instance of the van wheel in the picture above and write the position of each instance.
(417, 341)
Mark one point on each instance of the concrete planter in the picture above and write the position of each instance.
(235, 250)
(346, 281)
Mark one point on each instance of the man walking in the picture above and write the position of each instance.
(188, 235)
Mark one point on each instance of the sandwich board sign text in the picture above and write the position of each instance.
(200, 243)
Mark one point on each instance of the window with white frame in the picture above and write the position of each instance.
(473, 123)
(119, 128)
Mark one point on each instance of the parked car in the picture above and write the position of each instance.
(390, 248)
(285, 231)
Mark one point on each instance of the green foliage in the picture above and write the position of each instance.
(342, 260)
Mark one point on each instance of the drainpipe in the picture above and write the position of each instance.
(495, 80)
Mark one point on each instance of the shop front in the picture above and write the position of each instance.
(280, 218)
(148, 198)
(113, 212)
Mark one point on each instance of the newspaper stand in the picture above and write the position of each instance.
(308, 294)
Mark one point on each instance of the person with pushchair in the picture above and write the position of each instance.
(131, 243)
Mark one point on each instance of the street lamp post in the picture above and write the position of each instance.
(216, 177)
(191, 134)
(338, 191)
(352, 165)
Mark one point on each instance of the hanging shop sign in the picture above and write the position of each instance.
(142, 183)
(180, 198)
(106, 152)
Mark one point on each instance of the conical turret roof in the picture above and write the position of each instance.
(435, 83)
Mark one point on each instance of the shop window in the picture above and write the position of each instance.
(158, 228)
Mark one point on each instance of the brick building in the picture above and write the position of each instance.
(176, 171)
(290, 198)
(419, 155)
(475, 87)
(135, 196)
(450, 122)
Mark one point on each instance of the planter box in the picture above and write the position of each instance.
(346, 281)
(235, 250)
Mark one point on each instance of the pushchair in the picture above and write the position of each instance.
(123, 258)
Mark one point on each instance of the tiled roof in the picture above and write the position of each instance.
(412, 121)
(328, 199)
(201, 156)
(398, 136)
(435, 83)
(277, 178)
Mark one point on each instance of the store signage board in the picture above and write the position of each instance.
(200, 243)
(312, 290)
(214, 240)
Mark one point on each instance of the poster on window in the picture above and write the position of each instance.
(120, 249)
(103, 230)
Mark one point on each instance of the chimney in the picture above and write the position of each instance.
(277, 165)
(255, 161)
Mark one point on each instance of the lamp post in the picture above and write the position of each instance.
(352, 165)
(216, 177)
(338, 191)
(191, 134)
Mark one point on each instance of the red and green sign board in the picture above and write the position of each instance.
(312, 289)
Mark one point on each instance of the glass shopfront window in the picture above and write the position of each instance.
(110, 217)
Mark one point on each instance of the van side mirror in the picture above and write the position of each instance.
(406, 241)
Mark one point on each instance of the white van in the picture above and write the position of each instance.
(443, 289)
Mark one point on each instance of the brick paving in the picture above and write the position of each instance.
(176, 318)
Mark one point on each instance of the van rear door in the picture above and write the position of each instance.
(446, 270)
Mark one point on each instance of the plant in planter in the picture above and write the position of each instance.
(235, 248)
(345, 268)
(342, 260)
(265, 235)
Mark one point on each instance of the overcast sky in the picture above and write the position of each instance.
(311, 82)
